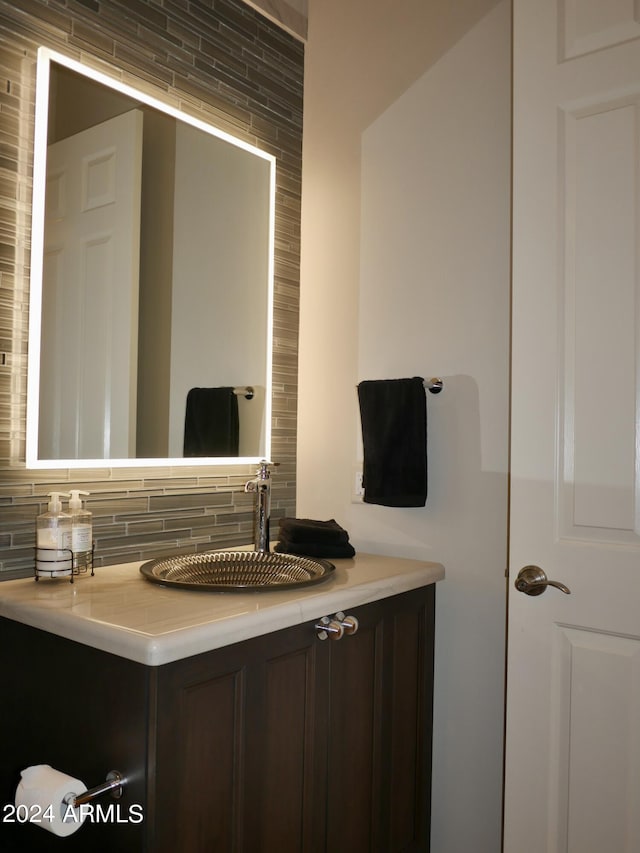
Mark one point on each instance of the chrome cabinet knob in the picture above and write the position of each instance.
(532, 580)
(349, 623)
(329, 629)
(336, 628)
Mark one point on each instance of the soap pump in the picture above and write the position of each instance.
(81, 532)
(54, 556)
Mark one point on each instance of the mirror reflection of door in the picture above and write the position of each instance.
(90, 292)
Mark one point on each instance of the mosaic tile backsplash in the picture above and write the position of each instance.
(219, 60)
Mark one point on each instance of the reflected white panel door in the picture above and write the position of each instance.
(90, 292)
(573, 699)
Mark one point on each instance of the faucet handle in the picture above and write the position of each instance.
(263, 471)
(264, 467)
(262, 478)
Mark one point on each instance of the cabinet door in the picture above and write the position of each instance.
(379, 758)
(240, 747)
(289, 743)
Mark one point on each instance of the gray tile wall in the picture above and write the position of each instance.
(224, 62)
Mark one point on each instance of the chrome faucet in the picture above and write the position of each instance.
(261, 485)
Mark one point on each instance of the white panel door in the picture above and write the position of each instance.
(89, 348)
(573, 695)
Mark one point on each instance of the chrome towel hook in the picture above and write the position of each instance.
(435, 385)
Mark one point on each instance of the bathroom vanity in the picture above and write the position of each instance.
(236, 726)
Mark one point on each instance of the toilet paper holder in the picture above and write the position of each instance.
(114, 784)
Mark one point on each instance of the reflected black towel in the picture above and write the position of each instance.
(394, 434)
(310, 530)
(315, 549)
(211, 423)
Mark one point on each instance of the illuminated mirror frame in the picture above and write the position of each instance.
(45, 58)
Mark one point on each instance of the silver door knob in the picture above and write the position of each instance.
(532, 580)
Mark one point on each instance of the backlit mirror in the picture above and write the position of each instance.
(151, 304)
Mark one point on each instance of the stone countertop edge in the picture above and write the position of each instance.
(119, 612)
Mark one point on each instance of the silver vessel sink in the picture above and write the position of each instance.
(226, 571)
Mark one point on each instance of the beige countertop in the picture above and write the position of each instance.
(118, 611)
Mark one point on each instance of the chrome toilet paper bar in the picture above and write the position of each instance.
(114, 784)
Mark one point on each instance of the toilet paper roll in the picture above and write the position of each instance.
(42, 792)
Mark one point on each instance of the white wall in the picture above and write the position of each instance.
(405, 271)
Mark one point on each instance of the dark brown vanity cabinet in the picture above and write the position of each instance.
(281, 743)
(291, 743)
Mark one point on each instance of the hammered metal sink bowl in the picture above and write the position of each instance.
(226, 571)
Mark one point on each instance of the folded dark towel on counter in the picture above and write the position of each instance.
(315, 549)
(310, 538)
(310, 530)
(393, 413)
(211, 424)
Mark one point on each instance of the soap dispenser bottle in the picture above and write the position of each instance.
(54, 556)
(81, 532)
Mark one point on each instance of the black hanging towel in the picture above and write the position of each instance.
(393, 413)
(211, 423)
